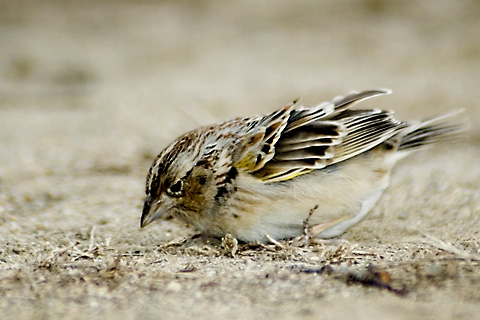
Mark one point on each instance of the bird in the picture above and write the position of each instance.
(263, 177)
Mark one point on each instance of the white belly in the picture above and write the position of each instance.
(347, 192)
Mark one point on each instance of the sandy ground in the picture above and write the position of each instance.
(90, 91)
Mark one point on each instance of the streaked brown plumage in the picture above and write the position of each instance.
(259, 177)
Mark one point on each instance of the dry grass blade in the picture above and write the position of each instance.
(448, 247)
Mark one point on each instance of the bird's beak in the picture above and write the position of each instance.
(152, 210)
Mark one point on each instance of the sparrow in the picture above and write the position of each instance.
(260, 178)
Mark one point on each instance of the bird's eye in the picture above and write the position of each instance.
(176, 189)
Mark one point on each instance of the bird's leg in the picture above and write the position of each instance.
(304, 239)
(306, 226)
(310, 232)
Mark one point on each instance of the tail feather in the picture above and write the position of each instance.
(430, 131)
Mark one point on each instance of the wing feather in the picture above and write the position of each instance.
(261, 140)
(354, 97)
(293, 141)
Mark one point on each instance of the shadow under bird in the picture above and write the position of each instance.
(260, 178)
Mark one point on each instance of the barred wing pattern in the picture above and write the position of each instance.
(296, 140)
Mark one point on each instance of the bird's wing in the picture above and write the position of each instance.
(262, 135)
(293, 141)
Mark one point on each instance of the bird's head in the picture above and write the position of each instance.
(181, 181)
